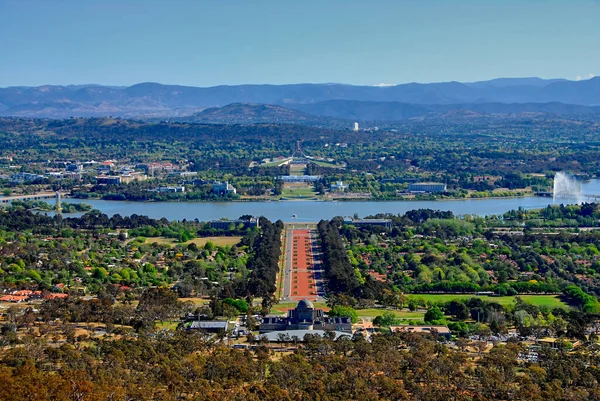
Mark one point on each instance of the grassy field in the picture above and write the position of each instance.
(166, 325)
(196, 301)
(297, 169)
(326, 164)
(295, 192)
(219, 241)
(161, 240)
(275, 163)
(552, 301)
(403, 314)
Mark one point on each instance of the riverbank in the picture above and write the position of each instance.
(315, 210)
(319, 198)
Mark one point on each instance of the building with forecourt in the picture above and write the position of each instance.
(306, 318)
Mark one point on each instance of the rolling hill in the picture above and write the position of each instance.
(171, 101)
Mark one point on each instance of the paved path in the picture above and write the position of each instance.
(303, 277)
(287, 270)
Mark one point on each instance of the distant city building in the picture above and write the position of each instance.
(305, 317)
(26, 177)
(210, 326)
(300, 178)
(133, 176)
(226, 224)
(355, 129)
(427, 187)
(339, 187)
(108, 179)
(224, 188)
(185, 173)
(387, 223)
(179, 189)
(106, 166)
(75, 167)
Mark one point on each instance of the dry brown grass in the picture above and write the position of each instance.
(219, 241)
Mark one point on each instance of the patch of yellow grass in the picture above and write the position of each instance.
(219, 241)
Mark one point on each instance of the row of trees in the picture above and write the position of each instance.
(338, 269)
(264, 262)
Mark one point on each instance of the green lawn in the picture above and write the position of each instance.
(552, 301)
(275, 163)
(326, 164)
(298, 192)
(403, 314)
(166, 325)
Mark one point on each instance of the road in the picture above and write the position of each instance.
(287, 271)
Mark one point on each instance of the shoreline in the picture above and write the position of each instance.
(82, 200)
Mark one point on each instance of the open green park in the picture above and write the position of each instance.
(551, 301)
(296, 192)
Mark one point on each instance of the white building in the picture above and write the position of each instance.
(339, 186)
(170, 189)
(224, 188)
(355, 127)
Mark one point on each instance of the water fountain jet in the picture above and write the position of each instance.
(566, 187)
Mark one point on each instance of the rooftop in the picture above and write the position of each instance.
(274, 336)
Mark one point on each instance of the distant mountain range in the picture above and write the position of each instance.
(304, 103)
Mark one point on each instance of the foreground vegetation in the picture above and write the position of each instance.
(183, 365)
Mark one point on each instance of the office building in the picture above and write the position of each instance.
(427, 187)
(224, 188)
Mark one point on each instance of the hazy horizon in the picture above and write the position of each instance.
(382, 85)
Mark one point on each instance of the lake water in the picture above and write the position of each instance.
(316, 210)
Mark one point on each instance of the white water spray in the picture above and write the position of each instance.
(567, 188)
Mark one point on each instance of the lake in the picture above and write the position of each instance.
(316, 210)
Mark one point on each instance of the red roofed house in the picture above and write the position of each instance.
(56, 296)
(14, 298)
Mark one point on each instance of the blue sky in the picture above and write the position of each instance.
(205, 43)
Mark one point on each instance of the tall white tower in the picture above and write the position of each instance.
(355, 127)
